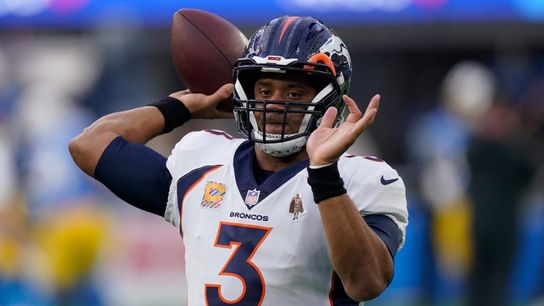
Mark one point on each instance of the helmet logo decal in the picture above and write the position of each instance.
(286, 26)
(274, 58)
(338, 53)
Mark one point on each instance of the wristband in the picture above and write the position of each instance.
(175, 113)
(325, 182)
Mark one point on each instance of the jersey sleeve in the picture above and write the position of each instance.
(195, 151)
(136, 174)
(376, 188)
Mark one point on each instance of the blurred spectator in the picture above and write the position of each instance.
(8, 175)
(66, 228)
(16, 288)
(528, 281)
(438, 143)
(501, 170)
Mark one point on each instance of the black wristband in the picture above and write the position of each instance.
(175, 113)
(325, 182)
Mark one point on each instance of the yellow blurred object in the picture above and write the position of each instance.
(13, 237)
(9, 254)
(71, 241)
(452, 237)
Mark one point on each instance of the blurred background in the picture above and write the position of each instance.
(462, 120)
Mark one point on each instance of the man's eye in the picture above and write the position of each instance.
(264, 92)
(294, 95)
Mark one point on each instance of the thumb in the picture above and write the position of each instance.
(223, 92)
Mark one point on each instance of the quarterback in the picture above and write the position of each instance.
(282, 216)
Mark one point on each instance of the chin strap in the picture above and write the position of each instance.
(283, 149)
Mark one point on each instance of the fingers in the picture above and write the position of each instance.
(374, 102)
(328, 119)
(223, 92)
(354, 112)
(369, 116)
(372, 109)
(355, 116)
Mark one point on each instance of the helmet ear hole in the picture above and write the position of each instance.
(321, 58)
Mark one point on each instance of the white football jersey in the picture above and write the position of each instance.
(249, 244)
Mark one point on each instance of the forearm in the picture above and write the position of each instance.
(137, 126)
(142, 124)
(360, 258)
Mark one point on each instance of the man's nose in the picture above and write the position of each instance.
(275, 97)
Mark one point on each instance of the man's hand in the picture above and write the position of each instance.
(205, 107)
(326, 144)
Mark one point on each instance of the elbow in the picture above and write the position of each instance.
(363, 291)
(371, 280)
(75, 147)
(81, 150)
(87, 148)
(369, 284)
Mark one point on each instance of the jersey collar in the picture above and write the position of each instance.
(245, 179)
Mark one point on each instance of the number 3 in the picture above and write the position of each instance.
(247, 238)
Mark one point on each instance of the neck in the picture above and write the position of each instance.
(274, 164)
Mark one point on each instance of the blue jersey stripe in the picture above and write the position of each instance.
(186, 183)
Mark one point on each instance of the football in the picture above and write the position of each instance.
(204, 49)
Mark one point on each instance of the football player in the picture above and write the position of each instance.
(231, 198)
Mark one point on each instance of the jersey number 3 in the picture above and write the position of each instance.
(247, 239)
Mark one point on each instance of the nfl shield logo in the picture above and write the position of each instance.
(252, 197)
